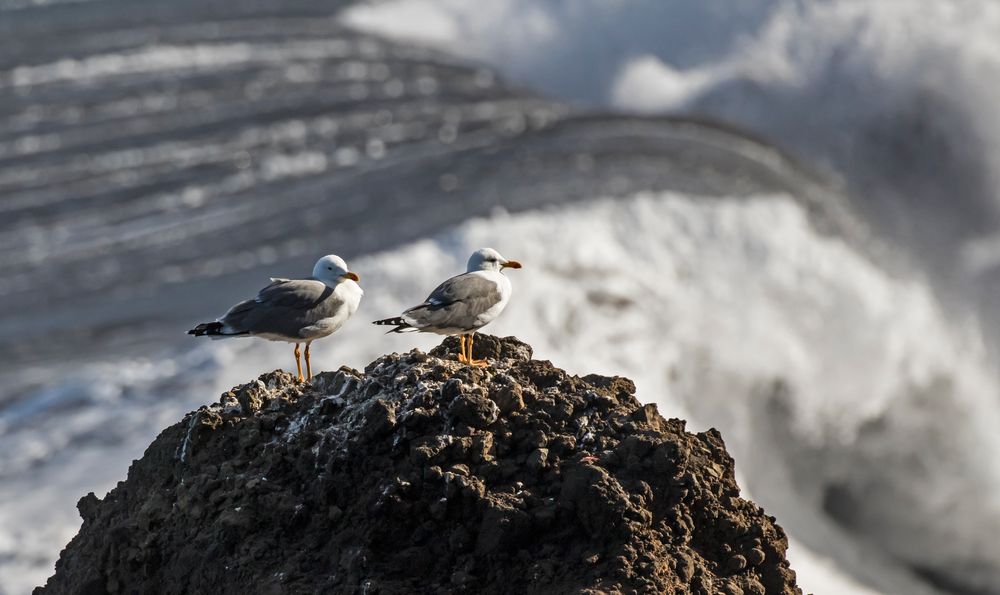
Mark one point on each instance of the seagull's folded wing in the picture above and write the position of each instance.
(284, 307)
(456, 303)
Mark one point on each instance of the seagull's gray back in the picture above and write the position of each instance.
(460, 304)
(284, 309)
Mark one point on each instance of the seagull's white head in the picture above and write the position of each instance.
(488, 259)
(331, 269)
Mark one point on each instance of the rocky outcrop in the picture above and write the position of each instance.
(422, 475)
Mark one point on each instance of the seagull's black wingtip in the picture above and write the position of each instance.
(206, 328)
(400, 324)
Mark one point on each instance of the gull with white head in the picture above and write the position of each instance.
(463, 304)
(294, 310)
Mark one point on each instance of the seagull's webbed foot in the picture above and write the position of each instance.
(479, 363)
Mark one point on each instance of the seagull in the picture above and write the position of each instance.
(463, 304)
(294, 310)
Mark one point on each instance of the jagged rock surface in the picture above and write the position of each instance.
(422, 475)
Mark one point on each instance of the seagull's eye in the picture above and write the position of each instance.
(329, 268)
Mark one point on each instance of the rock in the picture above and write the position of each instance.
(600, 502)
(487, 347)
(736, 563)
(425, 475)
(88, 506)
(685, 567)
(379, 419)
(509, 398)
(474, 409)
(537, 459)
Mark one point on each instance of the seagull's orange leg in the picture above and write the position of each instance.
(461, 354)
(475, 362)
(309, 370)
(298, 362)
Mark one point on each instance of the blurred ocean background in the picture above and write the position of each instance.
(780, 218)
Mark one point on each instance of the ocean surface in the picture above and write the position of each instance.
(779, 218)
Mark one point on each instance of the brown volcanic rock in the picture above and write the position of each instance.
(426, 476)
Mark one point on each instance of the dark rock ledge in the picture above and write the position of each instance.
(422, 475)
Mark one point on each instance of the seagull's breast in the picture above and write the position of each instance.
(343, 304)
(503, 288)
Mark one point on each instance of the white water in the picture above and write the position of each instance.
(706, 303)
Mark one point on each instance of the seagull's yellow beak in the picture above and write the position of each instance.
(352, 276)
(511, 264)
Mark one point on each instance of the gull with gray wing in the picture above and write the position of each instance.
(294, 310)
(463, 304)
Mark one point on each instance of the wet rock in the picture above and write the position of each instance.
(425, 475)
